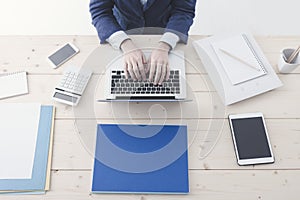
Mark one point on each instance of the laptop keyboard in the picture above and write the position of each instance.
(121, 85)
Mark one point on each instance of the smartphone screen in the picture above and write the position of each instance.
(251, 138)
(62, 55)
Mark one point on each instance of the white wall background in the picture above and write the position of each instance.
(71, 17)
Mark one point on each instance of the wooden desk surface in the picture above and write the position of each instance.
(214, 176)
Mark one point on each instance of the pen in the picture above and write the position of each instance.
(293, 55)
(238, 59)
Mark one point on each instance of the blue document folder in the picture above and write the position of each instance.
(141, 159)
(38, 180)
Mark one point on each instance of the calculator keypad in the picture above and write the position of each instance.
(74, 82)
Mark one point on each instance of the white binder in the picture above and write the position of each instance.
(230, 91)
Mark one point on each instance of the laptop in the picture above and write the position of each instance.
(118, 88)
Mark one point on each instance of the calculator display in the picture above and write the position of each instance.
(65, 97)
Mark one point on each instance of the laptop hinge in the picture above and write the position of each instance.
(146, 97)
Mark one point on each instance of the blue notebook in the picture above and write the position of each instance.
(38, 180)
(141, 159)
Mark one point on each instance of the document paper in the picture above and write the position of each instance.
(18, 135)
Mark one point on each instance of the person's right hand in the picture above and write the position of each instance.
(134, 60)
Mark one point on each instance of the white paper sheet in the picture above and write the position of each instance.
(18, 134)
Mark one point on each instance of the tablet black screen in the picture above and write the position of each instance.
(250, 137)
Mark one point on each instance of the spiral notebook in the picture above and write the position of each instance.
(13, 84)
(239, 59)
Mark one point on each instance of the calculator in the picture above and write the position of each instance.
(72, 85)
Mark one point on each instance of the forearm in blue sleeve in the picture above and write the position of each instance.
(181, 18)
(103, 18)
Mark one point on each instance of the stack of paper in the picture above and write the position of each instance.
(26, 133)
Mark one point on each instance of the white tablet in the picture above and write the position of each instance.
(250, 138)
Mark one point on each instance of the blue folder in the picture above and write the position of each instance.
(141, 159)
(38, 179)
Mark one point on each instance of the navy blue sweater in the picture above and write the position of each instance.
(109, 16)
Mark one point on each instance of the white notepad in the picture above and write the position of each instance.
(13, 84)
(239, 59)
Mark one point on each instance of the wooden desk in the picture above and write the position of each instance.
(215, 176)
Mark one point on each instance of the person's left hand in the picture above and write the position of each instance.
(159, 64)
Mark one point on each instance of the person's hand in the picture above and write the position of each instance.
(159, 64)
(134, 61)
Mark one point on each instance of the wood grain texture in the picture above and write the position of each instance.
(213, 171)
